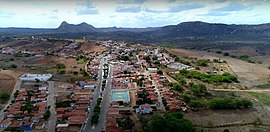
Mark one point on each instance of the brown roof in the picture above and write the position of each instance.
(6, 121)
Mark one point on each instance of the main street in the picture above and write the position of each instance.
(88, 127)
(51, 103)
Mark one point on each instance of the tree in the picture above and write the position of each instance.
(47, 114)
(159, 72)
(4, 96)
(60, 66)
(177, 86)
(202, 62)
(13, 66)
(226, 54)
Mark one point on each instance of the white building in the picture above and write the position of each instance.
(35, 77)
(144, 109)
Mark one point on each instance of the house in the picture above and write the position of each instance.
(152, 69)
(5, 123)
(39, 125)
(144, 109)
(27, 126)
(62, 127)
(75, 120)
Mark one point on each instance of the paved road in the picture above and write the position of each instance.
(161, 105)
(16, 87)
(51, 103)
(105, 101)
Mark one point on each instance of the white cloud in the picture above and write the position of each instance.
(127, 13)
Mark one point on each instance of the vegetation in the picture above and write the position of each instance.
(263, 97)
(60, 66)
(220, 103)
(47, 114)
(209, 78)
(95, 117)
(82, 59)
(124, 58)
(13, 66)
(226, 54)
(229, 103)
(202, 62)
(197, 90)
(62, 104)
(170, 122)
(4, 96)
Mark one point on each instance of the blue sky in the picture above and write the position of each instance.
(131, 13)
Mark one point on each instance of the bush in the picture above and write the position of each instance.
(202, 62)
(4, 96)
(13, 66)
(47, 114)
(60, 66)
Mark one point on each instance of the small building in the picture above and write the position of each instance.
(144, 109)
(152, 69)
(5, 123)
(35, 77)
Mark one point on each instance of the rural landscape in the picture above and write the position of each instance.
(192, 76)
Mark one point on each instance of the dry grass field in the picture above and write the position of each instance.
(89, 47)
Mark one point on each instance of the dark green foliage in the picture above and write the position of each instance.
(4, 96)
(198, 104)
(82, 58)
(177, 86)
(186, 97)
(229, 103)
(62, 104)
(124, 58)
(170, 122)
(160, 72)
(47, 114)
(226, 54)
(13, 66)
(197, 89)
(202, 62)
(60, 66)
(209, 78)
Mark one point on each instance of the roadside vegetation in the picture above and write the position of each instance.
(262, 97)
(95, 117)
(208, 78)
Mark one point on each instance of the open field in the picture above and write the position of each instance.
(248, 73)
(91, 47)
(8, 80)
(214, 118)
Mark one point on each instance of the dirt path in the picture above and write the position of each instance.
(239, 90)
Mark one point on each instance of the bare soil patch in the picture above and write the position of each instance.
(91, 47)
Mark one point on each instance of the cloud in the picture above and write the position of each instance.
(215, 13)
(86, 8)
(221, 1)
(132, 2)
(232, 7)
(86, 11)
(181, 8)
(154, 11)
(134, 9)
(171, 1)
(6, 14)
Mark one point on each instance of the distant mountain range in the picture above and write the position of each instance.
(186, 31)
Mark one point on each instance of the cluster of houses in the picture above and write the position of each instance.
(28, 110)
(71, 113)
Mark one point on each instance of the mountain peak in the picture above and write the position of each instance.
(82, 27)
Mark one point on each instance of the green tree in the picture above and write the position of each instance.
(47, 114)
(4, 96)
(13, 66)
(60, 66)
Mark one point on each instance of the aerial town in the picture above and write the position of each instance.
(119, 87)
